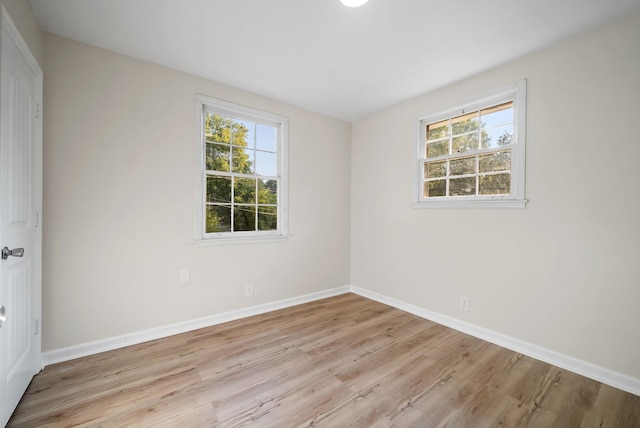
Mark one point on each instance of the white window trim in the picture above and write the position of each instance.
(516, 92)
(201, 239)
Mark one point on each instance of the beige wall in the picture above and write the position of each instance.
(563, 273)
(120, 166)
(22, 15)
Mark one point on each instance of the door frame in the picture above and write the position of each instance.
(13, 32)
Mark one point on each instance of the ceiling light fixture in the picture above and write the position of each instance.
(353, 3)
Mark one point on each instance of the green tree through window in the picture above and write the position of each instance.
(240, 195)
(470, 154)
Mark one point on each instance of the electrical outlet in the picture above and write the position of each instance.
(464, 303)
(248, 290)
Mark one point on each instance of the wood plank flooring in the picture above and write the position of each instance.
(345, 361)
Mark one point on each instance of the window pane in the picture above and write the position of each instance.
(218, 189)
(495, 137)
(218, 218)
(248, 133)
(266, 163)
(498, 184)
(217, 157)
(465, 123)
(498, 115)
(244, 218)
(243, 160)
(438, 149)
(267, 192)
(462, 166)
(499, 161)
(435, 188)
(462, 186)
(267, 218)
(438, 130)
(435, 169)
(244, 191)
(241, 133)
(217, 128)
(266, 137)
(465, 143)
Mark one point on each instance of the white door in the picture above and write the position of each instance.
(20, 237)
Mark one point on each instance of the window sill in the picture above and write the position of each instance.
(484, 203)
(239, 240)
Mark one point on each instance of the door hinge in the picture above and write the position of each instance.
(37, 330)
(37, 219)
(37, 112)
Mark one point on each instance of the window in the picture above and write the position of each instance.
(474, 154)
(242, 172)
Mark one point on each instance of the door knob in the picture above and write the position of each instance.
(16, 252)
(3, 316)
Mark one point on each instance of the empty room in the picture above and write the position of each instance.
(327, 213)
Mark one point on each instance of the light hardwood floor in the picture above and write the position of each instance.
(341, 362)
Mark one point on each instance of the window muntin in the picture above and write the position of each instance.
(474, 152)
(243, 172)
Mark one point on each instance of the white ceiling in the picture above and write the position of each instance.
(322, 56)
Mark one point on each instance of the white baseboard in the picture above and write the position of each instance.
(90, 348)
(581, 367)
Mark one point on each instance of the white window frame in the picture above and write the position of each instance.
(209, 104)
(516, 92)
